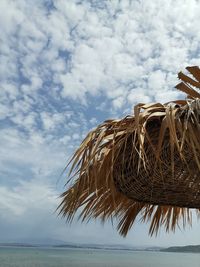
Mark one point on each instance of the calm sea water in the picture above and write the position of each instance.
(41, 257)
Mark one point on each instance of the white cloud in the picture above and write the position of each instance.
(118, 102)
(105, 48)
(25, 197)
(4, 110)
(36, 154)
(157, 80)
(138, 96)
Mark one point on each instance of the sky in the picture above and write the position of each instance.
(65, 67)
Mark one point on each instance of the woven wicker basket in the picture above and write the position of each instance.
(158, 183)
(147, 163)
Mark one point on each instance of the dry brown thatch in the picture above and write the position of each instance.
(147, 163)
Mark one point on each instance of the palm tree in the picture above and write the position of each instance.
(145, 164)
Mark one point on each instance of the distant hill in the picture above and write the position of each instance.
(57, 244)
(18, 245)
(60, 244)
(191, 249)
(108, 247)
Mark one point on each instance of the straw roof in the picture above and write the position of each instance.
(146, 164)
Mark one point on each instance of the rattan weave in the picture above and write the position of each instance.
(147, 163)
(158, 183)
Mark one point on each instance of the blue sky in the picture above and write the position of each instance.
(65, 67)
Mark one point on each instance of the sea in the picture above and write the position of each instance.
(51, 257)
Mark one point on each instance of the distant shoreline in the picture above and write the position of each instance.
(177, 249)
(77, 246)
(183, 249)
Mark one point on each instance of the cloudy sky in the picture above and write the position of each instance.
(65, 66)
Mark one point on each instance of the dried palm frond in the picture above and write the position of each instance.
(147, 163)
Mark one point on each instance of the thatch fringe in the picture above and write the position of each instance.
(99, 166)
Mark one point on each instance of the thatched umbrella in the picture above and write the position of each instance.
(147, 163)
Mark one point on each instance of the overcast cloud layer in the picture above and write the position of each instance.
(65, 66)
